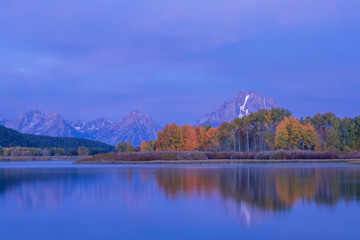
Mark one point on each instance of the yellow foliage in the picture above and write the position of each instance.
(292, 135)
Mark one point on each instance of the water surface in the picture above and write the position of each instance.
(60, 200)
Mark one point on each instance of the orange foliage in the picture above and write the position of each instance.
(189, 138)
(186, 138)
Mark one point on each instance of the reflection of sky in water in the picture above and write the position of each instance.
(144, 201)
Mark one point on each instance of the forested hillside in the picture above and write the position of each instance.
(12, 138)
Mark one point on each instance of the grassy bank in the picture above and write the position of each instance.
(221, 157)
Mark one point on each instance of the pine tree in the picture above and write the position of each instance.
(2, 151)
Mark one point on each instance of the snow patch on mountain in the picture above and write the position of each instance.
(243, 111)
(244, 103)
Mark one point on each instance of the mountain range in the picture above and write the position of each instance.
(242, 104)
(133, 125)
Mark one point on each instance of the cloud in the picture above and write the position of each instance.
(124, 23)
(174, 56)
(101, 32)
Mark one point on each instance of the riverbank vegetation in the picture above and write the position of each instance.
(195, 156)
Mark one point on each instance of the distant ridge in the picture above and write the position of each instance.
(133, 126)
(244, 103)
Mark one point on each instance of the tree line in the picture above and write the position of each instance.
(265, 130)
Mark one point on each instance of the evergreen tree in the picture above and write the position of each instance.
(2, 151)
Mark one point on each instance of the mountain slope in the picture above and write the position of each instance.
(12, 138)
(242, 104)
(35, 122)
(134, 126)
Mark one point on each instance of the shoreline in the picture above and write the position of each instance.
(39, 158)
(176, 157)
(221, 161)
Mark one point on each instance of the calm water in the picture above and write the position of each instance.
(59, 200)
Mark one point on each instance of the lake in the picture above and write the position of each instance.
(60, 200)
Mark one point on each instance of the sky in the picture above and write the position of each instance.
(177, 60)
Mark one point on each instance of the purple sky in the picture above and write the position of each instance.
(176, 60)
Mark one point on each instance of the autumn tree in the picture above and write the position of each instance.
(189, 140)
(130, 147)
(186, 138)
(122, 146)
(207, 138)
(292, 135)
(147, 146)
(309, 137)
(170, 138)
(213, 144)
(202, 137)
(288, 134)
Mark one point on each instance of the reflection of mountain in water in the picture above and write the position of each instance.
(250, 194)
(38, 188)
(245, 213)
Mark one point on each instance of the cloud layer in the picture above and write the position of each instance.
(177, 59)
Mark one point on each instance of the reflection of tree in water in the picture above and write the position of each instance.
(253, 193)
(268, 188)
(295, 184)
(175, 181)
